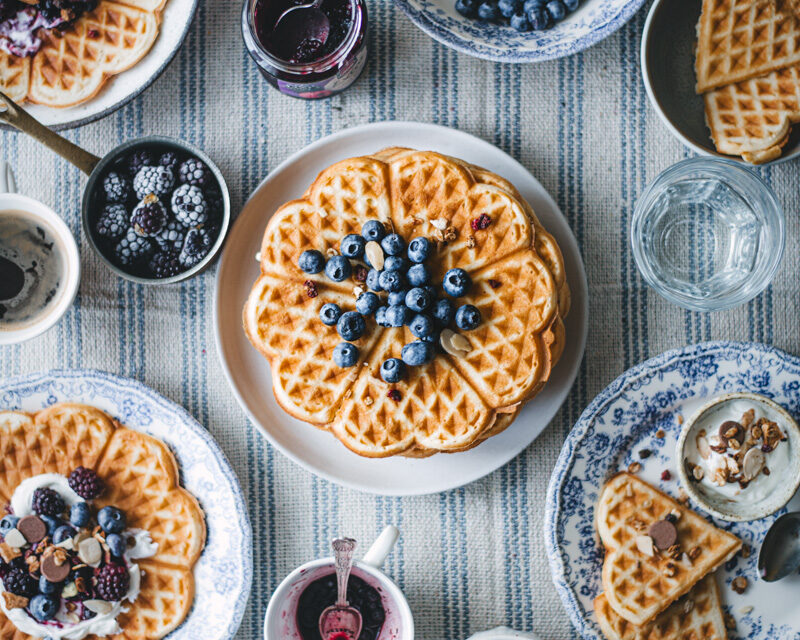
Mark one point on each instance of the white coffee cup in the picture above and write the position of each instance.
(503, 633)
(22, 206)
(279, 622)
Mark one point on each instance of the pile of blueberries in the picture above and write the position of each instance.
(411, 301)
(160, 212)
(522, 15)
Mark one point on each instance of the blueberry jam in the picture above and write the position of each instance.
(321, 594)
(277, 42)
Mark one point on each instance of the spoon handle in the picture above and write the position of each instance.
(343, 552)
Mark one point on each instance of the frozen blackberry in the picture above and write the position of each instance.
(139, 159)
(47, 502)
(149, 217)
(156, 180)
(19, 582)
(113, 221)
(86, 483)
(189, 205)
(169, 159)
(117, 187)
(132, 249)
(113, 582)
(195, 248)
(171, 237)
(165, 264)
(216, 204)
(194, 172)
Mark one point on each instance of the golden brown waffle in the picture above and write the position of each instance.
(141, 477)
(452, 403)
(742, 39)
(696, 616)
(753, 118)
(72, 66)
(640, 586)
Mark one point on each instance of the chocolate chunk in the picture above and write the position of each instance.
(664, 534)
(53, 571)
(731, 430)
(33, 528)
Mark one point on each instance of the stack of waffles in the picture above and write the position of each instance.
(748, 70)
(454, 402)
(141, 478)
(73, 64)
(651, 590)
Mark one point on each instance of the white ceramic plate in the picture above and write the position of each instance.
(224, 572)
(620, 422)
(176, 18)
(249, 373)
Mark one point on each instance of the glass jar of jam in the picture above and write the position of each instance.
(310, 69)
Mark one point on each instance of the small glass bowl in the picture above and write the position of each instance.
(708, 234)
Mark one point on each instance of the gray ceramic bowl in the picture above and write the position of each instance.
(668, 46)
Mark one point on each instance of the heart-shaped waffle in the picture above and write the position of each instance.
(141, 478)
(453, 402)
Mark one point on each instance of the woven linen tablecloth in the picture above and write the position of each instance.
(468, 559)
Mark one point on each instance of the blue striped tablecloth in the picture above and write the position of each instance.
(469, 559)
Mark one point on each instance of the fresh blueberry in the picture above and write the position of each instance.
(373, 280)
(393, 245)
(419, 249)
(418, 299)
(44, 608)
(345, 355)
(418, 275)
(367, 303)
(398, 315)
(330, 313)
(571, 5)
(397, 297)
(532, 5)
(311, 261)
(456, 282)
(393, 370)
(79, 514)
(467, 8)
(444, 311)
(372, 230)
(488, 11)
(49, 588)
(7, 524)
(539, 19)
(116, 543)
(338, 268)
(556, 9)
(433, 338)
(519, 21)
(431, 291)
(62, 533)
(395, 262)
(111, 520)
(391, 281)
(468, 317)
(417, 353)
(352, 246)
(509, 7)
(380, 316)
(52, 524)
(351, 325)
(421, 326)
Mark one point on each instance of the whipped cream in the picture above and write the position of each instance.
(61, 627)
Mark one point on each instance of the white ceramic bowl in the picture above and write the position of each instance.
(68, 289)
(503, 633)
(731, 509)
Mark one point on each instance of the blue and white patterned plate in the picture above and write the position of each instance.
(622, 421)
(593, 21)
(223, 574)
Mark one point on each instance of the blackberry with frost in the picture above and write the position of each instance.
(169, 159)
(194, 172)
(139, 159)
(132, 249)
(189, 205)
(171, 237)
(165, 264)
(195, 248)
(86, 483)
(112, 582)
(19, 582)
(117, 187)
(113, 221)
(149, 217)
(153, 180)
(47, 502)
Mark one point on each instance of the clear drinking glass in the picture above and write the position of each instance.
(708, 234)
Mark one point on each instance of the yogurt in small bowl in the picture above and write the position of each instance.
(739, 457)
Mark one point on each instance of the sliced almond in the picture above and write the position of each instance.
(753, 463)
(15, 539)
(70, 590)
(374, 253)
(645, 545)
(733, 466)
(439, 223)
(99, 607)
(703, 447)
(698, 472)
(449, 341)
(357, 291)
(460, 342)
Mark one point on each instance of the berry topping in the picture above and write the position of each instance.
(113, 221)
(444, 312)
(330, 314)
(392, 280)
(19, 582)
(394, 394)
(165, 264)
(44, 608)
(419, 249)
(373, 230)
(352, 246)
(311, 261)
(418, 275)
(393, 370)
(149, 217)
(111, 520)
(468, 317)
(47, 502)
(456, 282)
(397, 315)
(397, 297)
(153, 180)
(311, 288)
(195, 248)
(189, 205)
(494, 284)
(49, 588)
(395, 263)
(360, 273)
(351, 326)
(171, 237)
(367, 303)
(380, 316)
(194, 172)
(373, 280)
(345, 355)
(417, 353)
(113, 582)
(481, 222)
(421, 326)
(132, 248)
(116, 544)
(338, 268)
(7, 524)
(139, 159)
(169, 159)
(418, 299)
(117, 187)
(393, 244)
(80, 514)
(62, 533)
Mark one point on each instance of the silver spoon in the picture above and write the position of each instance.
(303, 22)
(780, 551)
(341, 621)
